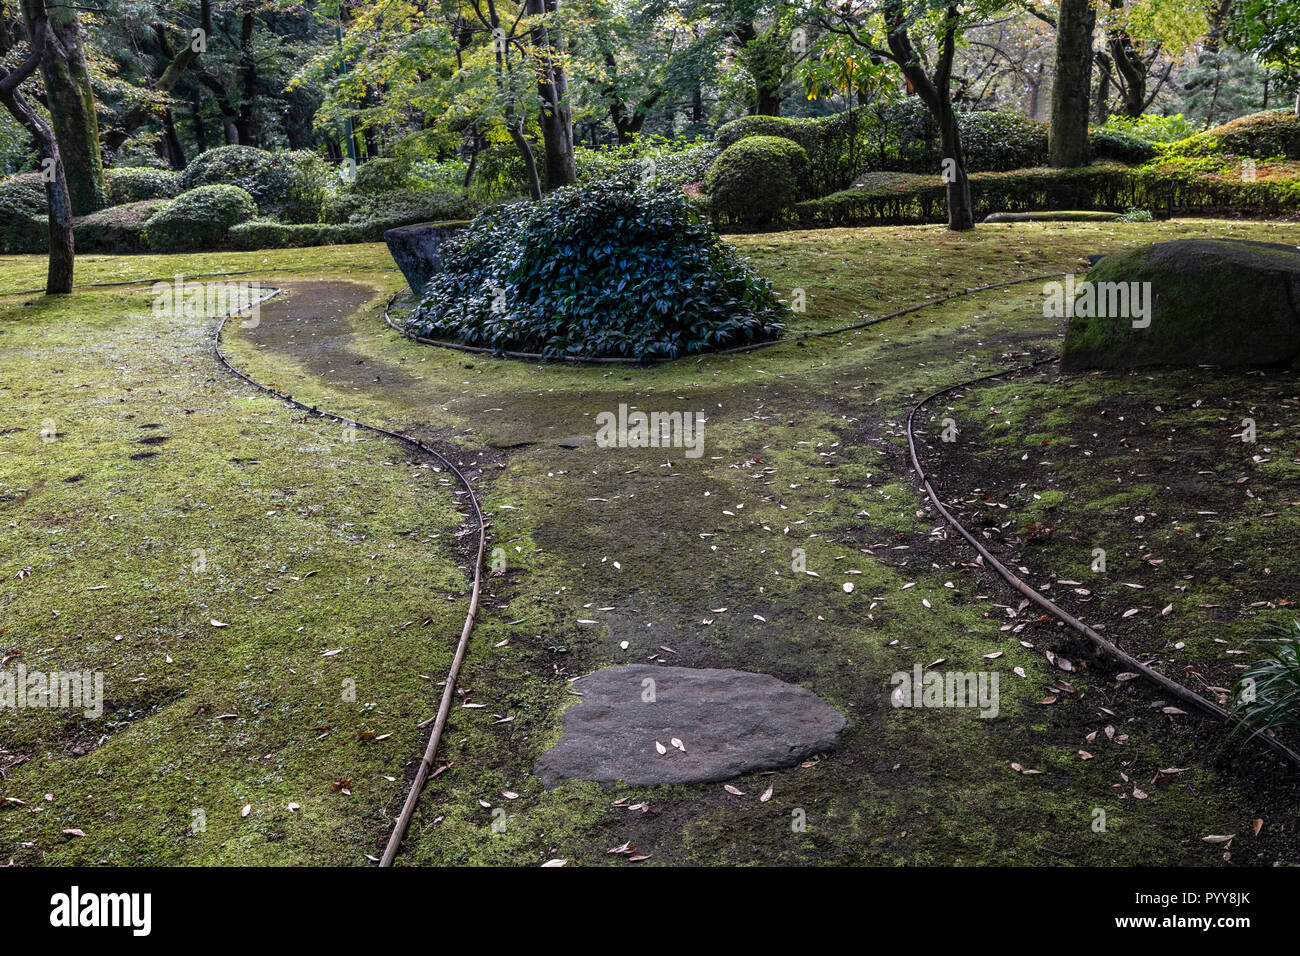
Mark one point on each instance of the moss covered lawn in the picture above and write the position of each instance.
(686, 561)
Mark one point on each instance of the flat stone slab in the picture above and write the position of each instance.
(729, 722)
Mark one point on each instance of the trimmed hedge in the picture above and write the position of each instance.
(756, 181)
(269, 234)
(130, 184)
(1107, 186)
(118, 228)
(199, 218)
(835, 145)
(24, 214)
(291, 186)
(607, 269)
(382, 174)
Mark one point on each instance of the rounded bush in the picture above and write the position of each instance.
(796, 129)
(117, 228)
(127, 184)
(24, 214)
(994, 141)
(1259, 136)
(380, 175)
(291, 186)
(199, 218)
(756, 181)
(608, 269)
(1119, 146)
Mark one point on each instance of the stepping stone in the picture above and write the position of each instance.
(729, 722)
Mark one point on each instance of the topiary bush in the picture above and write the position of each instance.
(199, 218)
(381, 175)
(377, 212)
(24, 214)
(756, 181)
(269, 234)
(1259, 136)
(1121, 147)
(118, 228)
(611, 269)
(291, 186)
(129, 184)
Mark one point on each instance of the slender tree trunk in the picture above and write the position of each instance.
(1132, 71)
(1101, 100)
(553, 89)
(530, 164)
(71, 102)
(935, 94)
(246, 123)
(1067, 143)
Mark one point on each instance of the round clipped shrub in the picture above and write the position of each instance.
(756, 181)
(380, 175)
(127, 184)
(292, 186)
(117, 228)
(796, 129)
(24, 214)
(199, 218)
(1260, 136)
(1119, 146)
(611, 269)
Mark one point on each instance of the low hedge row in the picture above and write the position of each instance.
(896, 199)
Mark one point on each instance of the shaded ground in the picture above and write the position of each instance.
(692, 562)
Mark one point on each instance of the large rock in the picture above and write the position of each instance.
(730, 722)
(1213, 302)
(417, 250)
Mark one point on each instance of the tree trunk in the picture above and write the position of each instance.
(1067, 143)
(62, 251)
(246, 124)
(936, 96)
(71, 102)
(1101, 101)
(530, 164)
(553, 89)
(1132, 71)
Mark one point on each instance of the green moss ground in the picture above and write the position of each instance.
(804, 449)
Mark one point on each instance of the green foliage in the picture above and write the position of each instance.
(605, 269)
(118, 228)
(381, 175)
(269, 234)
(650, 159)
(199, 218)
(24, 214)
(756, 181)
(1133, 214)
(995, 141)
(906, 139)
(292, 186)
(399, 207)
(1270, 30)
(1117, 145)
(1154, 128)
(1267, 698)
(834, 145)
(129, 184)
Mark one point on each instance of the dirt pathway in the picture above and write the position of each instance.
(793, 545)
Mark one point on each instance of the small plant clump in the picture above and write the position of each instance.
(612, 269)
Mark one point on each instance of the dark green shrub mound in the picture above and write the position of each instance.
(756, 181)
(1189, 302)
(118, 228)
(997, 141)
(836, 146)
(128, 184)
(199, 218)
(795, 129)
(1121, 147)
(610, 269)
(24, 214)
(291, 186)
(399, 207)
(380, 175)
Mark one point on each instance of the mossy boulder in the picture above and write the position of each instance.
(1221, 302)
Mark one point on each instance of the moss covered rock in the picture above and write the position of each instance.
(1188, 302)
